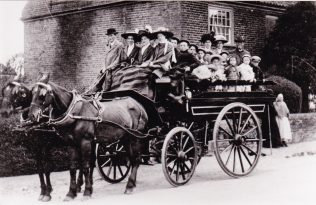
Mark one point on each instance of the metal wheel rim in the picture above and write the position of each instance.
(179, 168)
(110, 174)
(238, 148)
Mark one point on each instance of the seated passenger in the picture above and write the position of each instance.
(185, 60)
(193, 49)
(219, 41)
(246, 72)
(232, 73)
(255, 60)
(130, 51)
(224, 55)
(207, 40)
(201, 54)
(146, 50)
(160, 62)
(216, 67)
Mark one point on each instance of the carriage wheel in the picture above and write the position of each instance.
(237, 139)
(112, 162)
(179, 156)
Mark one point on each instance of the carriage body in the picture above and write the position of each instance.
(203, 121)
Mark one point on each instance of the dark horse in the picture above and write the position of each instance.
(17, 97)
(81, 130)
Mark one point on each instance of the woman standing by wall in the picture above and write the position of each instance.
(282, 119)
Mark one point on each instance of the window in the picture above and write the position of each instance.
(270, 24)
(221, 22)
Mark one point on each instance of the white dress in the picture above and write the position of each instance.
(247, 74)
(284, 128)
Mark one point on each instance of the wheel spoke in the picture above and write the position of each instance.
(252, 140)
(173, 168)
(229, 125)
(234, 159)
(181, 137)
(243, 152)
(109, 171)
(243, 127)
(226, 132)
(239, 120)
(234, 120)
(189, 150)
(171, 162)
(186, 166)
(225, 140)
(177, 174)
(103, 165)
(250, 150)
(252, 129)
(182, 171)
(174, 149)
(240, 160)
(120, 170)
(185, 142)
(229, 154)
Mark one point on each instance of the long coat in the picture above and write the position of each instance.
(186, 59)
(148, 53)
(132, 57)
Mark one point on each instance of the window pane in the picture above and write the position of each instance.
(221, 22)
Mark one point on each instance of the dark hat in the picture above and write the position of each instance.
(142, 33)
(130, 33)
(256, 59)
(185, 42)
(240, 39)
(111, 31)
(163, 31)
(207, 36)
(195, 46)
(201, 49)
(175, 38)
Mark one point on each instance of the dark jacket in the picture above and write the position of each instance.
(186, 59)
(132, 56)
(145, 56)
(258, 72)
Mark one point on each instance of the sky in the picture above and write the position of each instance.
(11, 29)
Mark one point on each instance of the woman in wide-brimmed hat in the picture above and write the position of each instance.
(219, 41)
(207, 40)
(130, 51)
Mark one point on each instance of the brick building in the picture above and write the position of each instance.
(67, 38)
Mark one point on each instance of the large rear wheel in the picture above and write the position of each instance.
(237, 139)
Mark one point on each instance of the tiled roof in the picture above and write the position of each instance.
(279, 3)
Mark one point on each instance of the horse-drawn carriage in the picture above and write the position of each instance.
(180, 128)
(185, 128)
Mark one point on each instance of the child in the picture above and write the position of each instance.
(231, 72)
(216, 67)
(246, 72)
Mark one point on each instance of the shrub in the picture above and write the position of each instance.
(17, 151)
(292, 93)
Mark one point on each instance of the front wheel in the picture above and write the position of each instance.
(179, 156)
(237, 139)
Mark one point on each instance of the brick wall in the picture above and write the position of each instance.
(303, 127)
(71, 47)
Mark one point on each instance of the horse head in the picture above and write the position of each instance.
(15, 96)
(45, 96)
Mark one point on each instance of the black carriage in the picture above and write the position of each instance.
(196, 121)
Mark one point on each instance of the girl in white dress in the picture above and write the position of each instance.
(282, 119)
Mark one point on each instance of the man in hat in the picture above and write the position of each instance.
(130, 51)
(112, 60)
(185, 60)
(239, 51)
(219, 41)
(206, 40)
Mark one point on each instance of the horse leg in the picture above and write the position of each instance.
(79, 180)
(86, 162)
(92, 161)
(40, 169)
(47, 171)
(72, 193)
(134, 149)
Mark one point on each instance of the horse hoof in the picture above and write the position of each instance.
(85, 198)
(128, 191)
(68, 198)
(46, 198)
(41, 197)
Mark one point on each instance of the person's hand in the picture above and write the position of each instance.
(186, 68)
(102, 70)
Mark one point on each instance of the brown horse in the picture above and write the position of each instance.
(17, 97)
(64, 104)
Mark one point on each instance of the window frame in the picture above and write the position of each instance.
(232, 22)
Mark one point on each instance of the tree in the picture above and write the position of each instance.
(291, 47)
(16, 64)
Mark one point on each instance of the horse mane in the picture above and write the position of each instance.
(62, 95)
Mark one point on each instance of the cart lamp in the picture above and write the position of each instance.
(188, 94)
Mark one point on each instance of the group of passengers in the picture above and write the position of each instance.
(151, 54)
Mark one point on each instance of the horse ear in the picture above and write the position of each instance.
(45, 78)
